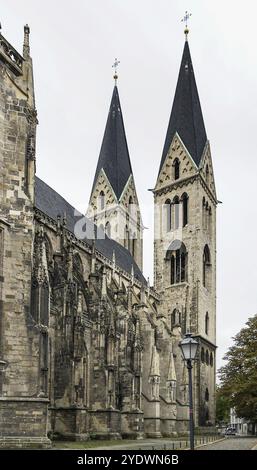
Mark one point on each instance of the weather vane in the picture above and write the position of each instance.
(185, 21)
(115, 66)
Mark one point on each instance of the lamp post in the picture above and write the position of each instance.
(189, 348)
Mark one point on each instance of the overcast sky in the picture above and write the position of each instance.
(73, 45)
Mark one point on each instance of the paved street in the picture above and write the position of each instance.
(232, 443)
(154, 444)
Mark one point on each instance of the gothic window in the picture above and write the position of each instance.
(210, 219)
(176, 212)
(203, 213)
(134, 246)
(206, 394)
(211, 359)
(207, 357)
(207, 174)
(202, 355)
(108, 229)
(176, 169)
(130, 205)
(126, 237)
(207, 323)
(49, 250)
(78, 265)
(185, 209)
(44, 304)
(35, 300)
(168, 212)
(102, 200)
(177, 256)
(206, 266)
(43, 362)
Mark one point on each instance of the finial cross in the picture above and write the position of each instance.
(115, 65)
(186, 18)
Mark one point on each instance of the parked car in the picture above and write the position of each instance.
(230, 432)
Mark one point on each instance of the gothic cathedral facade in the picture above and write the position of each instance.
(88, 349)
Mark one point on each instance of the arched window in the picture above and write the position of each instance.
(168, 215)
(176, 169)
(101, 200)
(134, 246)
(132, 208)
(126, 237)
(176, 212)
(108, 229)
(207, 357)
(177, 256)
(210, 220)
(211, 359)
(78, 263)
(207, 174)
(207, 323)
(202, 355)
(206, 266)
(185, 209)
(206, 394)
(203, 213)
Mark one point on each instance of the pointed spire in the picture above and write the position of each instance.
(114, 155)
(171, 370)
(186, 116)
(155, 366)
(26, 48)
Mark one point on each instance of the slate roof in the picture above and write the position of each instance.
(52, 204)
(186, 115)
(114, 154)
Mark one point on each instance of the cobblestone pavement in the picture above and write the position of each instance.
(232, 443)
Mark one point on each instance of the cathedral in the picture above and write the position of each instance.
(88, 348)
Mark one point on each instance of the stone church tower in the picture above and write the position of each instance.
(23, 408)
(185, 234)
(113, 204)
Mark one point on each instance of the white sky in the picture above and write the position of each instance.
(73, 45)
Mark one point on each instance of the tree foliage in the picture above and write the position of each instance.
(239, 375)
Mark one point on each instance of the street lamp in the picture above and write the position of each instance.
(189, 348)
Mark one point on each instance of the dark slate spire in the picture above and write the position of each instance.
(186, 116)
(114, 154)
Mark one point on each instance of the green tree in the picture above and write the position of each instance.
(223, 406)
(239, 375)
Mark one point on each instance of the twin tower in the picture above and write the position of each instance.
(185, 210)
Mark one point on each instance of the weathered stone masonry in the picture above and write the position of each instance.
(87, 348)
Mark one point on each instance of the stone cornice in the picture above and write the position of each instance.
(184, 182)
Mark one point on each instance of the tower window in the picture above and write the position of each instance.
(206, 394)
(185, 209)
(207, 174)
(102, 200)
(130, 205)
(176, 212)
(206, 266)
(207, 323)
(176, 169)
(211, 359)
(178, 262)
(202, 355)
(207, 357)
(168, 214)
